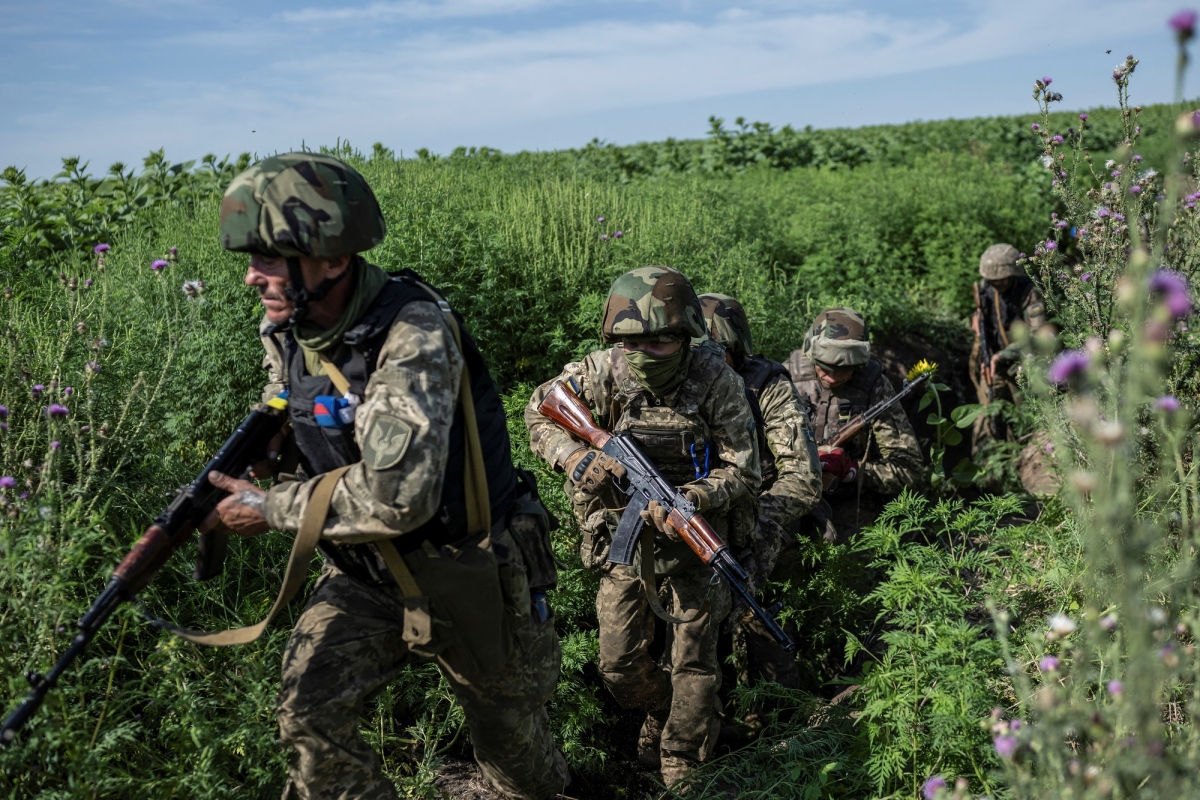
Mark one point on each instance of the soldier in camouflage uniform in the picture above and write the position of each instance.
(400, 433)
(791, 478)
(1008, 300)
(688, 411)
(835, 371)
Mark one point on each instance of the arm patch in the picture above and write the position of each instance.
(386, 442)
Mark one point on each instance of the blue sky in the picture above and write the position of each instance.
(112, 79)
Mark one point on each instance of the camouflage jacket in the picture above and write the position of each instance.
(720, 410)
(1021, 303)
(888, 453)
(416, 381)
(796, 489)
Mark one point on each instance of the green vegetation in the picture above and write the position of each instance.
(889, 219)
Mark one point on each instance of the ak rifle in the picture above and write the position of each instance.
(985, 353)
(646, 483)
(169, 531)
(859, 423)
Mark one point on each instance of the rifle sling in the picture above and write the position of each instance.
(650, 584)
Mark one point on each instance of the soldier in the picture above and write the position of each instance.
(400, 479)
(791, 476)
(1006, 299)
(688, 411)
(835, 371)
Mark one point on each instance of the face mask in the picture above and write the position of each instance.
(661, 375)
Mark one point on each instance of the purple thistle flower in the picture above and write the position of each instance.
(7, 482)
(101, 248)
(56, 411)
(1135, 189)
(932, 787)
(1115, 688)
(1137, 159)
(1047, 81)
(4, 427)
(1005, 745)
(1056, 139)
(1085, 277)
(618, 235)
(1062, 223)
(174, 251)
(84, 428)
(1051, 244)
(67, 391)
(3, 412)
(1116, 173)
(1167, 403)
(1102, 212)
(92, 367)
(1068, 364)
(37, 390)
(1183, 23)
(1035, 127)
(87, 284)
(24, 495)
(1119, 217)
(1048, 664)
(158, 264)
(600, 219)
(604, 237)
(55, 445)
(1083, 117)
(1174, 289)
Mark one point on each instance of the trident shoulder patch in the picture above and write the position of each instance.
(386, 441)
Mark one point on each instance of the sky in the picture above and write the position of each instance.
(111, 80)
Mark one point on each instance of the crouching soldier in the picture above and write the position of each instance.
(688, 411)
(404, 478)
(835, 372)
(791, 478)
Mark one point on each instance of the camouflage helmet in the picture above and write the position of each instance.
(652, 303)
(727, 323)
(1000, 261)
(838, 340)
(300, 204)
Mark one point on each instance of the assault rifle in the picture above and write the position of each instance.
(646, 483)
(170, 530)
(985, 354)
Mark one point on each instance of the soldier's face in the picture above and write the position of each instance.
(1001, 285)
(270, 276)
(657, 349)
(832, 379)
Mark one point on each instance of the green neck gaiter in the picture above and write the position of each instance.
(661, 375)
(314, 340)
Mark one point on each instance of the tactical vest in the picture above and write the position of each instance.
(1010, 305)
(669, 430)
(324, 448)
(833, 408)
(756, 373)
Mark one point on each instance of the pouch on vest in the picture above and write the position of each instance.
(335, 412)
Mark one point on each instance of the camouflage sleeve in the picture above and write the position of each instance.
(728, 413)
(593, 377)
(273, 362)
(797, 489)
(900, 461)
(403, 429)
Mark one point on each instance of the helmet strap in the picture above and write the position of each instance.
(301, 296)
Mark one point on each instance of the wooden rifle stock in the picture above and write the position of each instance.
(697, 534)
(564, 408)
(854, 428)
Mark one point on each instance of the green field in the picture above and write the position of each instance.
(890, 220)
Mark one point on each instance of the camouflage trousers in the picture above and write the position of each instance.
(685, 684)
(474, 619)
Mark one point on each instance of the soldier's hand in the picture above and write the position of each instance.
(993, 367)
(241, 513)
(590, 470)
(656, 515)
(265, 468)
(838, 464)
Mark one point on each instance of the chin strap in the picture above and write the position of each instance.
(301, 296)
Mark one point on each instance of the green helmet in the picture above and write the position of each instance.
(1000, 261)
(300, 204)
(728, 324)
(838, 340)
(652, 303)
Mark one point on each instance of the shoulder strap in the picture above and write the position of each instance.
(757, 372)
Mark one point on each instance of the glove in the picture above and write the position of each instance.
(590, 470)
(656, 515)
(839, 465)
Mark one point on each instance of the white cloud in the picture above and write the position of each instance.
(414, 9)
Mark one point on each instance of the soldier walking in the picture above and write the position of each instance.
(765, 532)
(835, 372)
(687, 409)
(399, 455)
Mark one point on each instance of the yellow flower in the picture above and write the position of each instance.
(920, 368)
